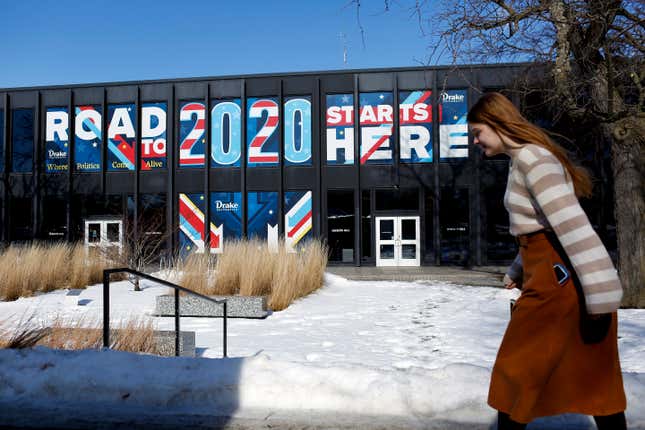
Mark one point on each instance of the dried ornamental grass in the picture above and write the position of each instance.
(25, 270)
(132, 335)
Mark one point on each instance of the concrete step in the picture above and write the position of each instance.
(191, 306)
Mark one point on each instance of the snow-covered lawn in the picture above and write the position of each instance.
(408, 354)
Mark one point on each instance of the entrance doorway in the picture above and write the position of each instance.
(105, 233)
(397, 241)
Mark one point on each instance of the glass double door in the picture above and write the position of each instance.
(397, 241)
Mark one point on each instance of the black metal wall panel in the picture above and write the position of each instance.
(262, 179)
(189, 180)
(87, 183)
(153, 182)
(262, 87)
(415, 80)
(225, 179)
(227, 88)
(375, 82)
(300, 177)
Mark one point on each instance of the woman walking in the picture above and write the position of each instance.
(549, 362)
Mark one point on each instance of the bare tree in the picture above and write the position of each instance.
(145, 245)
(594, 54)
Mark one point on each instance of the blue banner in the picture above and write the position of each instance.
(376, 121)
(88, 139)
(262, 216)
(340, 129)
(262, 120)
(297, 131)
(226, 133)
(192, 139)
(415, 126)
(153, 136)
(226, 218)
(56, 140)
(121, 137)
(453, 128)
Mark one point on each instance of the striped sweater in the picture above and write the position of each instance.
(539, 195)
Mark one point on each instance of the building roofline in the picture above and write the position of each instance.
(267, 75)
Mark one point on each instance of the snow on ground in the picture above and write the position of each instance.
(416, 351)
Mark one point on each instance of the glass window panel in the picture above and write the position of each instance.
(376, 122)
(415, 126)
(54, 219)
(409, 251)
(340, 225)
(226, 133)
(366, 224)
(22, 135)
(454, 221)
(453, 128)
(113, 230)
(153, 136)
(56, 140)
(386, 229)
(88, 138)
(397, 199)
(20, 219)
(429, 223)
(387, 252)
(339, 137)
(297, 131)
(94, 232)
(408, 229)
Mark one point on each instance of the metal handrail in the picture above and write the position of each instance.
(177, 288)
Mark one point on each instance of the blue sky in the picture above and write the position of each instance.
(66, 42)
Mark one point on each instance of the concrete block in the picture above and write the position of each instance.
(191, 306)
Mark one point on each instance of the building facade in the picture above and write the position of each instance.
(379, 163)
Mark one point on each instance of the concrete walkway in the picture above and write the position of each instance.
(490, 276)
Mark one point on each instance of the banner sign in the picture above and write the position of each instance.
(88, 139)
(340, 129)
(153, 136)
(56, 140)
(262, 217)
(121, 137)
(453, 128)
(226, 218)
(297, 131)
(297, 219)
(415, 126)
(192, 140)
(262, 120)
(375, 119)
(226, 133)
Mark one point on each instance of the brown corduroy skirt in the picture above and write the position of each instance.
(543, 367)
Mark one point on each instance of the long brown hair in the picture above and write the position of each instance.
(496, 111)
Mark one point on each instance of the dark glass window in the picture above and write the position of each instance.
(1, 140)
(429, 222)
(500, 244)
(340, 225)
(453, 219)
(397, 199)
(20, 219)
(366, 224)
(95, 206)
(152, 224)
(22, 138)
(54, 218)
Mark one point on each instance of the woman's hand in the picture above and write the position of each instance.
(509, 283)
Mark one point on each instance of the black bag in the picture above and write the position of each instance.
(593, 328)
